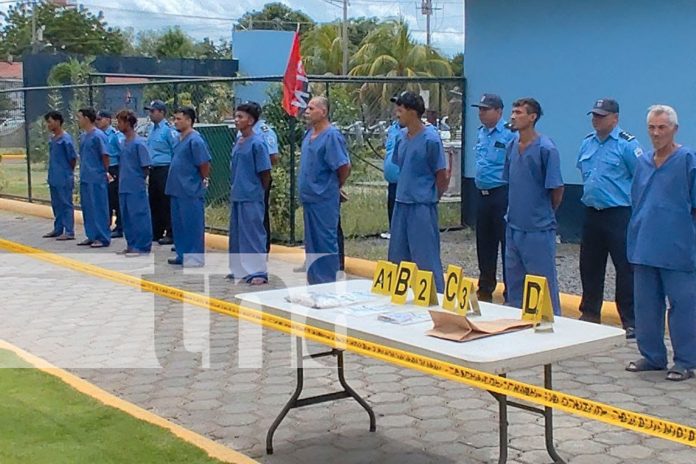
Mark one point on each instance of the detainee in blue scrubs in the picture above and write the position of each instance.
(135, 165)
(187, 184)
(533, 173)
(250, 170)
(62, 159)
(94, 184)
(324, 168)
(423, 179)
(662, 247)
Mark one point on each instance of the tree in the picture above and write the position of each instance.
(64, 29)
(277, 16)
(457, 64)
(322, 50)
(359, 28)
(173, 42)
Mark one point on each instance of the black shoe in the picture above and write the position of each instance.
(165, 241)
(485, 297)
(116, 234)
(595, 319)
(53, 234)
(86, 242)
(630, 333)
(175, 262)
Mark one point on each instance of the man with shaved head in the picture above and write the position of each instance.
(324, 168)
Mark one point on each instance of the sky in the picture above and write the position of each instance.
(215, 18)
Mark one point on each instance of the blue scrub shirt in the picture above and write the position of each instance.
(531, 176)
(320, 159)
(419, 158)
(250, 157)
(607, 169)
(92, 150)
(662, 231)
(134, 157)
(491, 151)
(61, 153)
(184, 179)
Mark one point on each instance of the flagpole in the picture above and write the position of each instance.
(291, 124)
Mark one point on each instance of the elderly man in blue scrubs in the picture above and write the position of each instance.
(94, 184)
(61, 181)
(187, 184)
(492, 141)
(662, 246)
(250, 177)
(324, 168)
(161, 140)
(607, 161)
(114, 141)
(533, 173)
(423, 179)
(134, 168)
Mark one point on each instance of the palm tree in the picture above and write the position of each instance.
(322, 50)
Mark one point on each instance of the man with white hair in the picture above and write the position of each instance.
(662, 247)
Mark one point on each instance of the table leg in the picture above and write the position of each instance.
(548, 419)
(502, 426)
(297, 402)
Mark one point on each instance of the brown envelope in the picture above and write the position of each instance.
(458, 328)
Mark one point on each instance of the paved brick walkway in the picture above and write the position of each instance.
(208, 372)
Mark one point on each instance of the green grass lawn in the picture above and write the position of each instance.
(43, 420)
(13, 179)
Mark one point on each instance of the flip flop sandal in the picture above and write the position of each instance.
(677, 374)
(258, 281)
(642, 365)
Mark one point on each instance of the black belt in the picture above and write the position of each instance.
(486, 192)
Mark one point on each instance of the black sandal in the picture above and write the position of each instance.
(677, 374)
(642, 365)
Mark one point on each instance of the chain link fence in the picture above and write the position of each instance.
(359, 107)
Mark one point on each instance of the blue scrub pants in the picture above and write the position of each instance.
(651, 286)
(94, 199)
(247, 240)
(321, 240)
(530, 253)
(63, 210)
(415, 237)
(136, 220)
(188, 225)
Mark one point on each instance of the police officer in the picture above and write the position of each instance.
(161, 140)
(270, 138)
(492, 140)
(114, 141)
(61, 181)
(607, 161)
(662, 246)
(324, 168)
(391, 170)
(187, 184)
(533, 172)
(423, 179)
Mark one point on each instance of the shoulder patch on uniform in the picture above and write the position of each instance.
(589, 135)
(626, 136)
(265, 128)
(638, 152)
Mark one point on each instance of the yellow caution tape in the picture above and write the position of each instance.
(568, 403)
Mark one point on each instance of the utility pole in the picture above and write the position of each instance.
(344, 37)
(34, 41)
(427, 10)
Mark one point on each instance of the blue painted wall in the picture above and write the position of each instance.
(260, 53)
(568, 54)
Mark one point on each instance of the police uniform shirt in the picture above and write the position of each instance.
(607, 168)
(250, 157)
(134, 157)
(662, 231)
(184, 178)
(92, 149)
(268, 135)
(391, 170)
(114, 143)
(161, 140)
(491, 150)
(419, 158)
(319, 161)
(531, 176)
(61, 152)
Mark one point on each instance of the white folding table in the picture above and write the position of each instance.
(497, 354)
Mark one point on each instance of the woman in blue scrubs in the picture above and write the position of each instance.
(250, 177)
(662, 247)
(134, 206)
